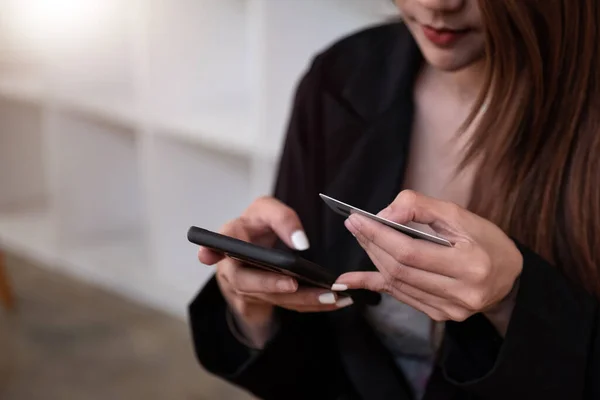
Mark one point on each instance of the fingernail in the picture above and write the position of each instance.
(285, 285)
(300, 240)
(354, 220)
(327, 298)
(344, 302)
(350, 226)
(339, 287)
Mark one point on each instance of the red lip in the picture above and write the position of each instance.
(443, 37)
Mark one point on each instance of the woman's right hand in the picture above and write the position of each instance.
(251, 293)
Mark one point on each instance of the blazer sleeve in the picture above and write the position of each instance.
(551, 349)
(298, 363)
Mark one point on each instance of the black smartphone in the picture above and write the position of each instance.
(278, 261)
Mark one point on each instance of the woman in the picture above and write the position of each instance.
(478, 119)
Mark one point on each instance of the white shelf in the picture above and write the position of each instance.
(226, 131)
(111, 108)
(229, 132)
(96, 185)
(23, 89)
(119, 109)
(35, 233)
(30, 232)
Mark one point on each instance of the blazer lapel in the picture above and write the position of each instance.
(371, 175)
(370, 180)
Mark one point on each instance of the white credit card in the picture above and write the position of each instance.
(346, 209)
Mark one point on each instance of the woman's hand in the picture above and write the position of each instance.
(252, 293)
(476, 275)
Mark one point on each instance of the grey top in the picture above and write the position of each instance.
(407, 333)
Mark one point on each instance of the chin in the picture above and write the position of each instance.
(450, 61)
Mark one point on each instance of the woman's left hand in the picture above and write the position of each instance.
(447, 283)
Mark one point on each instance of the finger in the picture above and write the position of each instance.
(376, 237)
(315, 309)
(429, 282)
(270, 213)
(444, 217)
(209, 257)
(245, 280)
(450, 308)
(375, 281)
(371, 280)
(232, 229)
(300, 307)
(411, 206)
(307, 297)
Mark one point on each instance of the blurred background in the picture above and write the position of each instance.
(122, 123)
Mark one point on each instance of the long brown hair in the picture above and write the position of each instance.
(538, 144)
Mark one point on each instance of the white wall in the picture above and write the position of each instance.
(123, 123)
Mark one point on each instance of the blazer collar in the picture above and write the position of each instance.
(386, 73)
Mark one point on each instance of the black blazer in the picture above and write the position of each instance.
(348, 137)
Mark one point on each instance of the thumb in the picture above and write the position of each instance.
(268, 215)
(370, 280)
(411, 206)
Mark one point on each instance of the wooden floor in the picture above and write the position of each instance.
(72, 341)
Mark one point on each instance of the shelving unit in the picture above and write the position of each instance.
(123, 123)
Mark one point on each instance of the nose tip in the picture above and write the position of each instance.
(443, 5)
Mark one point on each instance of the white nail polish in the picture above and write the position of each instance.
(339, 287)
(300, 240)
(344, 302)
(327, 298)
